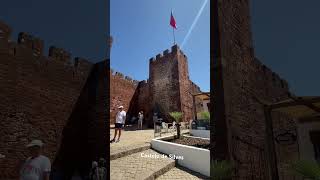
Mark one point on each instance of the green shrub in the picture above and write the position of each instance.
(204, 115)
(177, 116)
(306, 169)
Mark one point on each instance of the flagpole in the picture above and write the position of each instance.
(174, 38)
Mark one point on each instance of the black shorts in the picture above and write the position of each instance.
(118, 125)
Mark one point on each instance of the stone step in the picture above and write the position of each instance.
(181, 173)
(119, 152)
(138, 166)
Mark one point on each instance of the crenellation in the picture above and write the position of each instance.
(118, 74)
(25, 39)
(152, 59)
(5, 31)
(175, 49)
(59, 54)
(81, 63)
(37, 46)
(128, 78)
(166, 52)
(159, 56)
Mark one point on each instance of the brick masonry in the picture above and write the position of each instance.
(38, 97)
(244, 83)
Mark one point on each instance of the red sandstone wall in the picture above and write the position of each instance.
(122, 90)
(37, 95)
(185, 88)
(164, 81)
(170, 86)
(245, 80)
(144, 102)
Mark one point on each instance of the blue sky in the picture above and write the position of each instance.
(286, 38)
(141, 30)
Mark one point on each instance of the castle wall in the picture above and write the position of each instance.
(247, 83)
(164, 82)
(170, 85)
(37, 96)
(185, 88)
(143, 102)
(122, 90)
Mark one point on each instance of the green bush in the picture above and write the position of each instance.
(204, 115)
(177, 116)
(306, 169)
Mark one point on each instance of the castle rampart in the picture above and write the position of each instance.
(37, 96)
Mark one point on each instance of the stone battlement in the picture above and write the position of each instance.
(121, 76)
(30, 47)
(167, 53)
(269, 75)
(194, 86)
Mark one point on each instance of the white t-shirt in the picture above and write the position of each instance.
(35, 169)
(140, 117)
(121, 117)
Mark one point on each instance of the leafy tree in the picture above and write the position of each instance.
(177, 116)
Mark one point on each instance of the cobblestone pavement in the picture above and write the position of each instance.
(138, 166)
(181, 173)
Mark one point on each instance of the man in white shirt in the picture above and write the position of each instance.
(37, 166)
(120, 121)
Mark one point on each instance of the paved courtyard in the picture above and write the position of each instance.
(126, 156)
(131, 137)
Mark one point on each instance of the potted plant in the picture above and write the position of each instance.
(177, 116)
(307, 169)
(221, 170)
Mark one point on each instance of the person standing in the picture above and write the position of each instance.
(140, 121)
(120, 121)
(94, 171)
(37, 166)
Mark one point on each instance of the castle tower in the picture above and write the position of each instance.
(242, 85)
(170, 84)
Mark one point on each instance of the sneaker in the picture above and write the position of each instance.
(111, 141)
(118, 141)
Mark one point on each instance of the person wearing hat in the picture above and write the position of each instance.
(120, 121)
(37, 166)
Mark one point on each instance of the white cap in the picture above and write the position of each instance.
(35, 142)
(120, 107)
